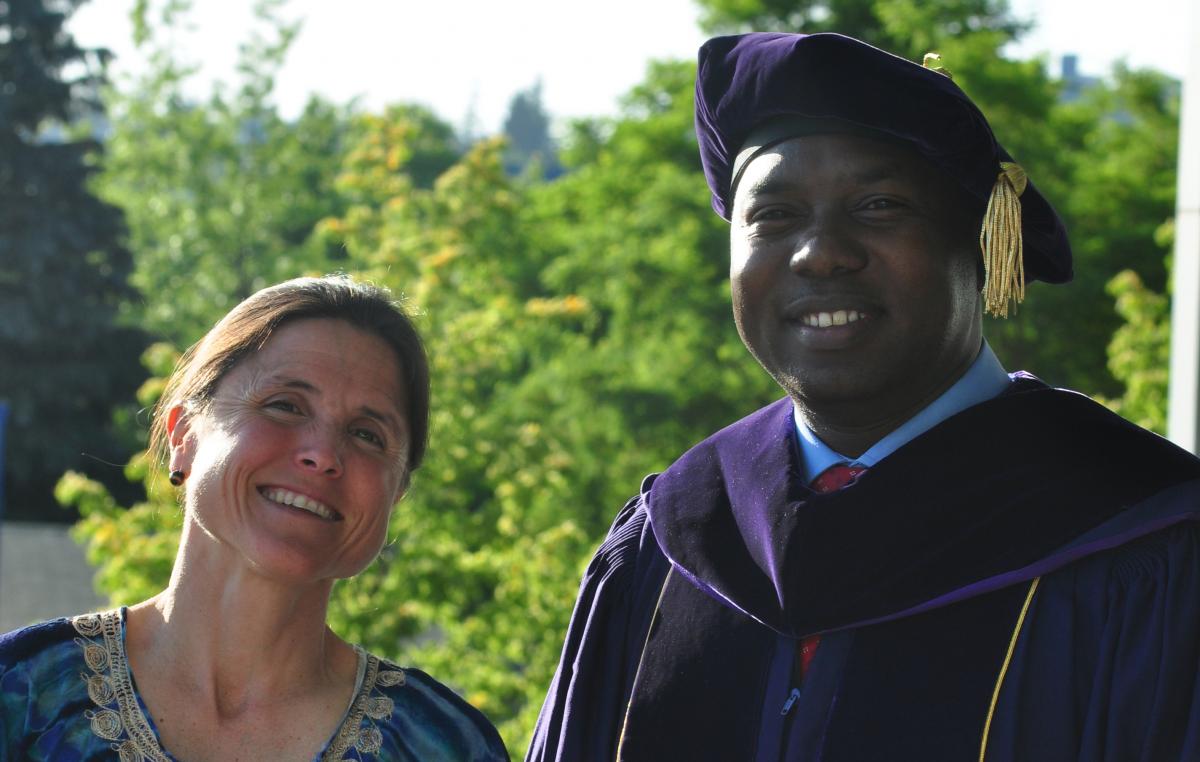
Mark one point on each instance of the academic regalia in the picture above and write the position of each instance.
(920, 579)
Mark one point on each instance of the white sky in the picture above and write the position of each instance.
(472, 55)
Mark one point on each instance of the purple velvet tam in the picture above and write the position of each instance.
(745, 81)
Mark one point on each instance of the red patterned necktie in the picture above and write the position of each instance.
(833, 478)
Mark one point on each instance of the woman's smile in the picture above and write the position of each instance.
(301, 501)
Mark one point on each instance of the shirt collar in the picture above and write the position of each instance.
(985, 379)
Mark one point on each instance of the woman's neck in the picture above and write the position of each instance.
(249, 640)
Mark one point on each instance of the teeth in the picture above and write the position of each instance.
(287, 497)
(826, 319)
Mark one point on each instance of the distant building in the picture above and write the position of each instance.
(1074, 83)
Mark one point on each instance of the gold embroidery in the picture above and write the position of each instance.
(127, 752)
(366, 739)
(110, 683)
(119, 719)
(370, 740)
(87, 625)
(100, 690)
(93, 655)
(106, 723)
(380, 707)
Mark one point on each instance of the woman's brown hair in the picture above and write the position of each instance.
(250, 324)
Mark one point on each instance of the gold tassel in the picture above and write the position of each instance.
(1001, 243)
(933, 62)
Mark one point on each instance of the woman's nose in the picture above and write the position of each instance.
(320, 452)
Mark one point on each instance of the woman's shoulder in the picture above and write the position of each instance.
(45, 641)
(42, 695)
(403, 713)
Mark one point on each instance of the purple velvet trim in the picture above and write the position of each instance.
(937, 521)
(734, 477)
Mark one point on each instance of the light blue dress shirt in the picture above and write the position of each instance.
(985, 379)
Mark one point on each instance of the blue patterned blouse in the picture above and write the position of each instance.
(66, 694)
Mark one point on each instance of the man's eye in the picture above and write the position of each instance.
(881, 204)
(283, 406)
(771, 214)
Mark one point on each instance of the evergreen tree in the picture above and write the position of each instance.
(527, 128)
(64, 358)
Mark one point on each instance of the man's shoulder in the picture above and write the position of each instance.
(1076, 415)
(629, 547)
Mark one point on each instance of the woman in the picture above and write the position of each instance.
(292, 428)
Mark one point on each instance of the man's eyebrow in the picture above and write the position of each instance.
(781, 183)
(773, 185)
(878, 173)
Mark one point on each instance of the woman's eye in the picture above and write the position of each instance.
(283, 406)
(369, 436)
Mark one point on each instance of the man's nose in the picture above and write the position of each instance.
(827, 249)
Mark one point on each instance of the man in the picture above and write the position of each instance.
(914, 555)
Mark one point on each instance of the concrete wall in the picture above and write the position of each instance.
(43, 575)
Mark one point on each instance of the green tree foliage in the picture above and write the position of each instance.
(132, 548)
(1139, 354)
(63, 271)
(1116, 155)
(221, 196)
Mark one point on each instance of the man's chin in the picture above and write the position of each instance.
(854, 398)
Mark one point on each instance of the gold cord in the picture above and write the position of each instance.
(1002, 244)
(1012, 646)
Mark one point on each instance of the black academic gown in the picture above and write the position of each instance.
(920, 577)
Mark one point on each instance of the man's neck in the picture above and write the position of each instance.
(825, 440)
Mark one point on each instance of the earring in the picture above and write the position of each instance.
(176, 478)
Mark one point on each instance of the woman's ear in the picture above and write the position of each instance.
(180, 439)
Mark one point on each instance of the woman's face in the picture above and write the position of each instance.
(297, 461)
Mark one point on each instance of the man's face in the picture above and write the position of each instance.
(854, 275)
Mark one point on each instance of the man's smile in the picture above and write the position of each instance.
(827, 319)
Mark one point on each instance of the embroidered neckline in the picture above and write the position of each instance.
(119, 719)
(358, 731)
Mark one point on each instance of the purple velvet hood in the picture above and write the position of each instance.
(998, 494)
